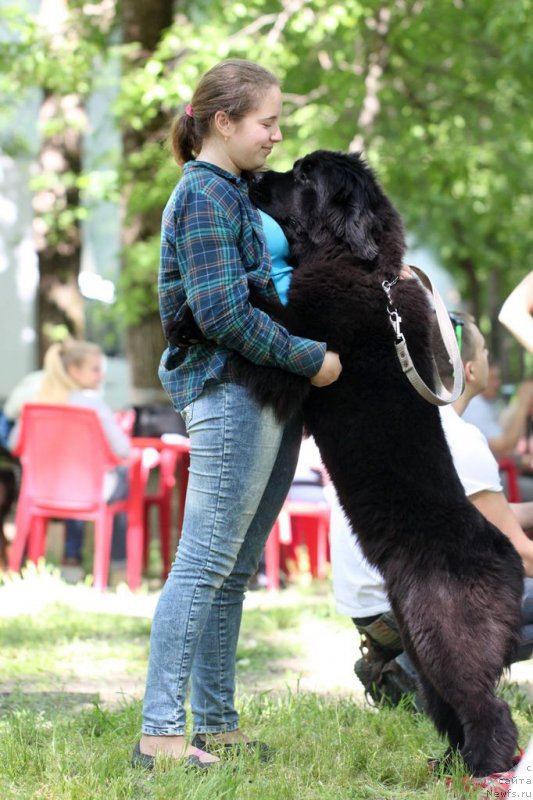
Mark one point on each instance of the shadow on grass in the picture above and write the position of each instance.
(48, 703)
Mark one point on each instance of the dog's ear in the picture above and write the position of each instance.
(359, 226)
(352, 219)
(354, 225)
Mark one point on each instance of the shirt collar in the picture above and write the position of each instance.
(230, 176)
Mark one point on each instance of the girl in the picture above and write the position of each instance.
(242, 459)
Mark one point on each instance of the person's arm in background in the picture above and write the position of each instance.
(494, 506)
(516, 312)
(515, 422)
(524, 514)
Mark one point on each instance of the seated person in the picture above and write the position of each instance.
(385, 670)
(502, 426)
(73, 373)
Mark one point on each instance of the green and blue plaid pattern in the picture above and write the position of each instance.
(212, 250)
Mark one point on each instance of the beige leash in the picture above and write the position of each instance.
(442, 396)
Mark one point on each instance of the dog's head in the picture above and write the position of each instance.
(329, 202)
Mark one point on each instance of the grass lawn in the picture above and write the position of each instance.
(72, 668)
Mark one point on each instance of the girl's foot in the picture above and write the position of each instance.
(145, 752)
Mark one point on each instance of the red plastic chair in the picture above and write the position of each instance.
(168, 454)
(508, 466)
(309, 522)
(65, 455)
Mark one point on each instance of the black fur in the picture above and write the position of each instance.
(454, 580)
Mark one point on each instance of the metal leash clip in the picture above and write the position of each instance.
(394, 316)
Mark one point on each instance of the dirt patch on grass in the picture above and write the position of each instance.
(311, 652)
(308, 653)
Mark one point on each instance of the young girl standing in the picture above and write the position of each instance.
(242, 458)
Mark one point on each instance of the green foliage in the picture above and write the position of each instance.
(33, 54)
(450, 133)
(436, 93)
(137, 287)
(152, 175)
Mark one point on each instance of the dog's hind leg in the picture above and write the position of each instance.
(490, 734)
(443, 716)
(440, 630)
(486, 736)
(438, 710)
(477, 723)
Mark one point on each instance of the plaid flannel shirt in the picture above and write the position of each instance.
(212, 249)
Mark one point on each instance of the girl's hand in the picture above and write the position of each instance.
(329, 371)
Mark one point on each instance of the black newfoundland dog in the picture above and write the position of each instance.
(454, 580)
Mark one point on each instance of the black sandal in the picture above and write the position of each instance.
(232, 748)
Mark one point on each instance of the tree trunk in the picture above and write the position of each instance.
(143, 23)
(145, 343)
(468, 267)
(60, 307)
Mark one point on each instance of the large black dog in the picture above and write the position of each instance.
(453, 579)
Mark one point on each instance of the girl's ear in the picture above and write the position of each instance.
(222, 123)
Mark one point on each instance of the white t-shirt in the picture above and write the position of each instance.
(485, 415)
(358, 587)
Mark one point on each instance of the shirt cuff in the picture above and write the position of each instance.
(305, 357)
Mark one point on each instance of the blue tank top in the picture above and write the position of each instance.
(278, 247)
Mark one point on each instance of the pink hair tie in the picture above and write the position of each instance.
(189, 111)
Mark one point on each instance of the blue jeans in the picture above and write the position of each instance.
(242, 465)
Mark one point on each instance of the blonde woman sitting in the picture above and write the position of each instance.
(73, 374)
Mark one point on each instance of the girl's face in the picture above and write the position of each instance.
(251, 139)
(88, 374)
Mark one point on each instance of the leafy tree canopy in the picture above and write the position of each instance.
(435, 93)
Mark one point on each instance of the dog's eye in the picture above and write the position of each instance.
(303, 178)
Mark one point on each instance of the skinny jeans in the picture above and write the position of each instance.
(242, 462)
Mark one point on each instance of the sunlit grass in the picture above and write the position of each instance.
(66, 731)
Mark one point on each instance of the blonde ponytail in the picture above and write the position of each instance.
(57, 384)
